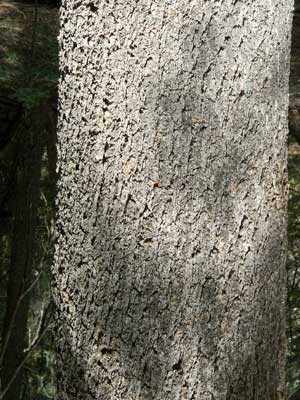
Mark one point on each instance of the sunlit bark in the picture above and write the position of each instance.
(169, 276)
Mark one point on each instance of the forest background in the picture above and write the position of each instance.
(28, 113)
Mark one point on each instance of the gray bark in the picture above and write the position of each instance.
(169, 274)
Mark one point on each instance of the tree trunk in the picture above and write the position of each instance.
(169, 276)
(14, 338)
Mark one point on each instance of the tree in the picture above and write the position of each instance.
(169, 273)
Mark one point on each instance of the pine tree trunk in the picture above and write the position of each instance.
(169, 276)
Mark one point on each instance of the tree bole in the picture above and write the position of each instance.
(169, 274)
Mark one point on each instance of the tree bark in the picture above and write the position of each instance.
(26, 192)
(169, 274)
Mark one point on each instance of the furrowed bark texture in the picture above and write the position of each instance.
(169, 276)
